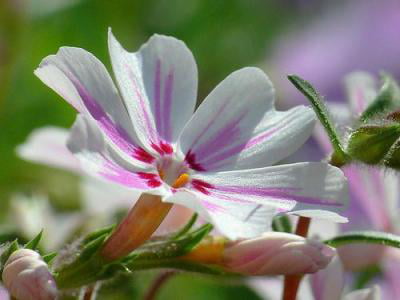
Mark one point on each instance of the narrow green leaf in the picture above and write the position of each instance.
(368, 237)
(339, 157)
(187, 227)
(94, 235)
(282, 224)
(7, 252)
(365, 276)
(33, 244)
(49, 257)
(387, 99)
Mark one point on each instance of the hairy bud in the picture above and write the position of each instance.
(27, 276)
(372, 144)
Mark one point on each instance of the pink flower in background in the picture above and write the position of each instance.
(375, 193)
(346, 36)
(216, 161)
(326, 284)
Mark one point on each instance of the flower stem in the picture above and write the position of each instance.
(340, 157)
(137, 227)
(157, 284)
(292, 282)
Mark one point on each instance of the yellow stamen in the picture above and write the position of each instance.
(161, 173)
(181, 181)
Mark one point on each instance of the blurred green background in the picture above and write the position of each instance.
(224, 35)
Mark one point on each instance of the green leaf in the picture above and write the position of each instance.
(33, 244)
(340, 157)
(387, 99)
(367, 237)
(365, 276)
(49, 257)
(187, 227)
(96, 234)
(179, 264)
(282, 224)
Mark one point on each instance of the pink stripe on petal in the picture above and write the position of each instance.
(144, 115)
(212, 207)
(121, 176)
(192, 162)
(229, 133)
(261, 138)
(115, 132)
(168, 96)
(208, 126)
(157, 96)
(286, 194)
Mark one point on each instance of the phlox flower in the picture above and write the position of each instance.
(101, 200)
(217, 161)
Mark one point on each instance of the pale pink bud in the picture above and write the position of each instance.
(27, 277)
(277, 253)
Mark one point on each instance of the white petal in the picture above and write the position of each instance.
(320, 214)
(99, 159)
(361, 90)
(328, 284)
(237, 127)
(105, 198)
(159, 86)
(48, 145)
(232, 220)
(84, 82)
(301, 186)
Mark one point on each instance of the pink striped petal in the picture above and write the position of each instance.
(159, 87)
(99, 158)
(236, 127)
(328, 284)
(361, 91)
(368, 185)
(84, 82)
(301, 186)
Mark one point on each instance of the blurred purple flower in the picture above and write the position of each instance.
(358, 35)
(375, 194)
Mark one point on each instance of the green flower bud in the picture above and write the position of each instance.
(372, 144)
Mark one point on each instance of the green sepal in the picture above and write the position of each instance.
(318, 105)
(89, 266)
(371, 144)
(185, 229)
(388, 99)
(170, 248)
(33, 243)
(9, 249)
(282, 224)
(366, 237)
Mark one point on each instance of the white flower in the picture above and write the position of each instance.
(217, 161)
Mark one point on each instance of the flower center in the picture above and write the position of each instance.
(172, 172)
